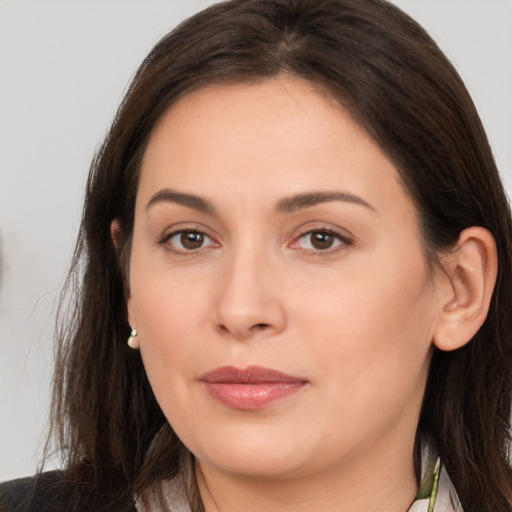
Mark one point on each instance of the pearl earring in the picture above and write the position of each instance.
(132, 342)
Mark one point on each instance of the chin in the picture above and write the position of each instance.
(254, 454)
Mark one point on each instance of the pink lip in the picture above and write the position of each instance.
(252, 388)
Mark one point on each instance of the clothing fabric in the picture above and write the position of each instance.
(51, 492)
(436, 492)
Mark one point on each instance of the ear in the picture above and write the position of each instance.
(470, 273)
(116, 234)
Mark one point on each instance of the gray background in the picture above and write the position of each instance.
(64, 65)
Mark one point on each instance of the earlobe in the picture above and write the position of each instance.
(471, 276)
(133, 339)
(133, 342)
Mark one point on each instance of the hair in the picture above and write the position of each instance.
(390, 75)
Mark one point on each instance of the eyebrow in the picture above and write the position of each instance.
(285, 205)
(300, 201)
(188, 200)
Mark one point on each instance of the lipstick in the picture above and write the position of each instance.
(251, 388)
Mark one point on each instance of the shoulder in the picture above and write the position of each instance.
(54, 491)
(30, 493)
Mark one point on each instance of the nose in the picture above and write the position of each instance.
(249, 303)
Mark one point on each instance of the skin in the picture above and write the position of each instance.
(356, 320)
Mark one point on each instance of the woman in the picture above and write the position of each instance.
(297, 222)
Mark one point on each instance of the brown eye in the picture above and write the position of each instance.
(322, 240)
(188, 240)
(191, 240)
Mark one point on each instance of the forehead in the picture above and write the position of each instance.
(282, 106)
(274, 138)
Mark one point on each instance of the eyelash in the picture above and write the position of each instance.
(165, 240)
(341, 242)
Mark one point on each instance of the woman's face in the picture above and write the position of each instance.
(284, 306)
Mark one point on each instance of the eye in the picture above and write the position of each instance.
(187, 240)
(320, 240)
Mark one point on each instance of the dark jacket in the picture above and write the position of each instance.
(53, 491)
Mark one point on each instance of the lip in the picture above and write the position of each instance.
(251, 388)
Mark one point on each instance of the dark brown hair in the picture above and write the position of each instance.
(390, 75)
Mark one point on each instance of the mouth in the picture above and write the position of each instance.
(251, 388)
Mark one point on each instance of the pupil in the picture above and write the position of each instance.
(322, 240)
(192, 239)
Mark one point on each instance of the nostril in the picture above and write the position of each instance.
(243, 332)
(260, 327)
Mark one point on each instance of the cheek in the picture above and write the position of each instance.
(170, 317)
(372, 333)
(173, 324)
